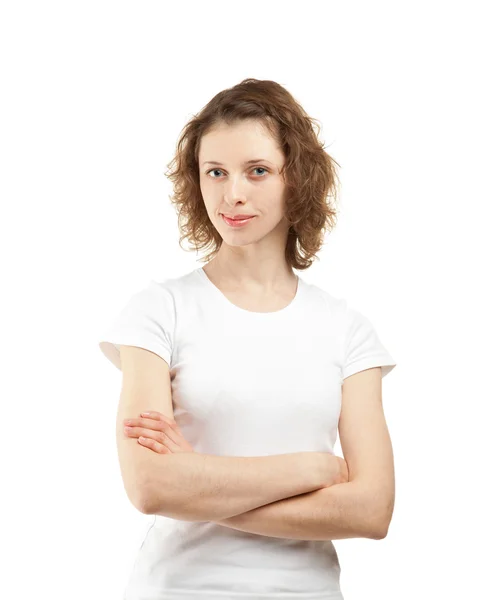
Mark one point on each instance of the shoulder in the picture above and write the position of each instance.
(175, 287)
(345, 315)
(149, 301)
(146, 319)
(161, 293)
(334, 307)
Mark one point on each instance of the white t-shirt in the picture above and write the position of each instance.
(244, 384)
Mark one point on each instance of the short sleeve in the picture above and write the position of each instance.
(363, 348)
(146, 321)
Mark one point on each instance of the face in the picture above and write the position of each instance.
(242, 185)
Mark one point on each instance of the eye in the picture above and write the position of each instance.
(212, 171)
(254, 169)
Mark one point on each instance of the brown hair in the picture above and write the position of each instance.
(310, 176)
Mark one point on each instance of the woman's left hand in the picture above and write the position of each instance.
(158, 433)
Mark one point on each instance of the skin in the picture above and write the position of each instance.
(251, 258)
(161, 434)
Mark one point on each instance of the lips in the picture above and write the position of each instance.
(239, 217)
(237, 222)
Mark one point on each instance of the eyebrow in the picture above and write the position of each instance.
(247, 162)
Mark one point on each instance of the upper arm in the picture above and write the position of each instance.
(146, 385)
(366, 443)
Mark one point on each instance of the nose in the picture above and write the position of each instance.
(235, 190)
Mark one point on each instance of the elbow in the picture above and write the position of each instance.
(385, 525)
(147, 501)
(381, 522)
(373, 529)
(139, 498)
(143, 501)
(380, 533)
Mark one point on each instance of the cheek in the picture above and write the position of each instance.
(210, 203)
(275, 207)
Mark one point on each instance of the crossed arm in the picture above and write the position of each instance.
(341, 511)
(363, 506)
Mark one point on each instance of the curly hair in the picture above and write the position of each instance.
(310, 176)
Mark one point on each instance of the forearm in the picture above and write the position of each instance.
(333, 513)
(204, 487)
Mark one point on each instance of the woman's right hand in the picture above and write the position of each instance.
(343, 474)
(336, 471)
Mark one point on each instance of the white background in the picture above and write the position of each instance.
(94, 95)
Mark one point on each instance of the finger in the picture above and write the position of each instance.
(162, 438)
(160, 425)
(154, 445)
(153, 424)
(154, 414)
(165, 438)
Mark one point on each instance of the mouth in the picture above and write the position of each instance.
(238, 222)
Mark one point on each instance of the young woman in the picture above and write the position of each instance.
(249, 372)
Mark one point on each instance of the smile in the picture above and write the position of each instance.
(237, 222)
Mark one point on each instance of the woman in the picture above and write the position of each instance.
(257, 359)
